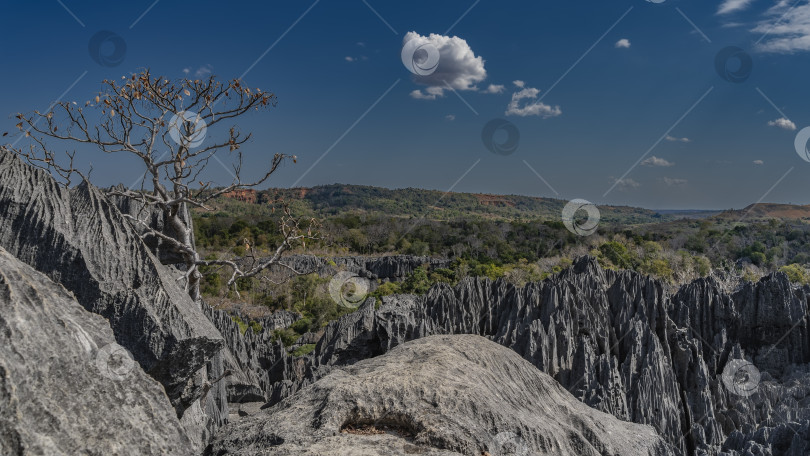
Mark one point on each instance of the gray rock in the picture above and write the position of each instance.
(619, 341)
(66, 386)
(80, 240)
(437, 395)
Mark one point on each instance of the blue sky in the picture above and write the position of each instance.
(591, 86)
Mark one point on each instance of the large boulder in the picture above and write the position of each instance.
(448, 395)
(79, 239)
(66, 386)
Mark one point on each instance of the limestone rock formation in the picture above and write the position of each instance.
(460, 395)
(682, 361)
(66, 386)
(79, 239)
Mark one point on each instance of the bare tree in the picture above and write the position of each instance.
(166, 124)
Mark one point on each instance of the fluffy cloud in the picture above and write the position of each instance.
(730, 6)
(623, 43)
(759, 162)
(656, 161)
(783, 123)
(431, 93)
(529, 108)
(458, 66)
(350, 59)
(786, 33)
(671, 181)
(674, 139)
(495, 88)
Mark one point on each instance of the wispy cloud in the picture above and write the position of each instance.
(532, 106)
(656, 161)
(625, 184)
(450, 117)
(200, 72)
(783, 123)
(672, 181)
(787, 26)
(759, 162)
(731, 6)
(674, 139)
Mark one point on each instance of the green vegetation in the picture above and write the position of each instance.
(519, 239)
(303, 350)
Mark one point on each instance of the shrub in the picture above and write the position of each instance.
(795, 273)
(303, 350)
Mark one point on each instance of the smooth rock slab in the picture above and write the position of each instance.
(459, 394)
(66, 386)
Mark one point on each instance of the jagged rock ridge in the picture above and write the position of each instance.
(619, 341)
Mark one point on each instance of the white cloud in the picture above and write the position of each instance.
(786, 33)
(450, 117)
(458, 66)
(656, 161)
(186, 70)
(431, 93)
(672, 181)
(204, 70)
(495, 88)
(519, 83)
(674, 139)
(623, 43)
(530, 108)
(626, 183)
(759, 162)
(350, 59)
(730, 6)
(783, 123)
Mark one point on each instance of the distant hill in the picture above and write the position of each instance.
(770, 210)
(339, 199)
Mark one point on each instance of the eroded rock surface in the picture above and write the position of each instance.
(80, 240)
(459, 395)
(66, 386)
(621, 342)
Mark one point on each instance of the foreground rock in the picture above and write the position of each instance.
(437, 395)
(80, 240)
(619, 341)
(66, 386)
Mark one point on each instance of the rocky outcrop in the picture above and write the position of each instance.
(66, 386)
(79, 239)
(450, 395)
(618, 341)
